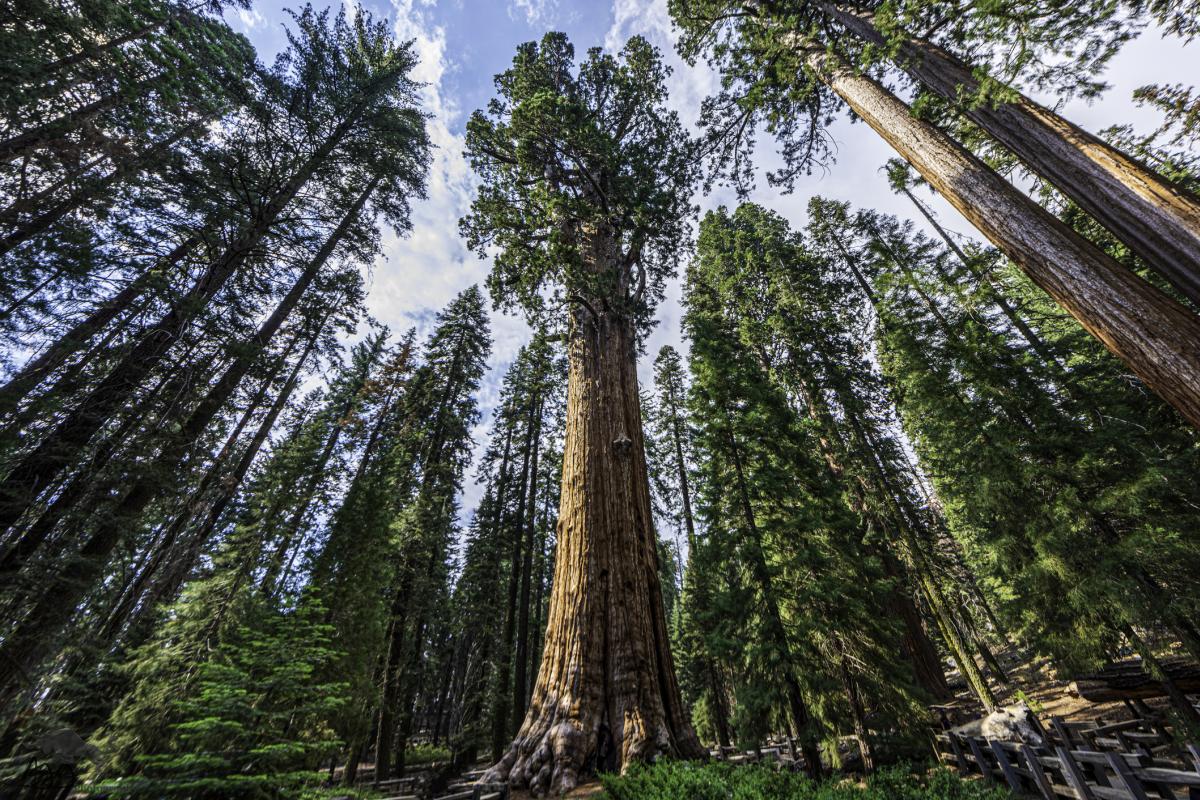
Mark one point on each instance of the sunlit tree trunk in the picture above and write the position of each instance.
(606, 694)
(1158, 221)
(1156, 337)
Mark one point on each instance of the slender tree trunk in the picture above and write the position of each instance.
(166, 548)
(37, 368)
(169, 584)
(520, 681)
(858, 714)
(443, 695)
(606, 694)
(35, 636)
(390, 697)
(501, 712)
(1157, 220)
(54, 454)
(1156, 337)
(71, 497)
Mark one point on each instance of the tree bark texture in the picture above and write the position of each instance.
(1157, 220)
(606, 693)
(521, 675)
(1157, 337)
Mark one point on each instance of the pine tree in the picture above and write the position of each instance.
(362, 103)
(763, 480)
(426, 463)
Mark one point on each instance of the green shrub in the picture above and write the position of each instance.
(425, 754)
(681, 780)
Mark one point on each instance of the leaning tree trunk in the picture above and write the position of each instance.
(1157, 220)
(1157, 337)
(606, 694)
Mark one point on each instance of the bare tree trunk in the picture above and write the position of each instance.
(1156, 337)
(520, 680)
(29, 477)
(606, 694)
(1157, 220)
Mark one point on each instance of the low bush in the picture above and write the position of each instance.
(418, 754)
(681, 780)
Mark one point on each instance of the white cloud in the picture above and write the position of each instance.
(420, 273)
(251, 18)
(535, 12)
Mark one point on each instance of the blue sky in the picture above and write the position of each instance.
(463, 43)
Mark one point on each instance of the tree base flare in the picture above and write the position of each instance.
(556, 758)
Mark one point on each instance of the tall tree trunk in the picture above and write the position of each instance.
(858, 714)
(167, 585)
(167, 549)
(37, 368)
(920, 652)
(1156, 337)
(606, 694)
(1157, 220)
(501, 710)
(34, 473)
(520, 680)
(390, 696)
(84, 484)
(33, 638)
(28, 478)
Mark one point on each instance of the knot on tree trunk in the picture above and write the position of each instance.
(622, 445)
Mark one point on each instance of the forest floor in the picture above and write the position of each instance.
(1035, 681)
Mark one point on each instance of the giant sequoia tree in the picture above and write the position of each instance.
(585, 183)
(782, 63)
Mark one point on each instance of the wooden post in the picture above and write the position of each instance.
(960, 759)
(1037, 773)
(1125, 777)
(1006, 767)
(1064, 734)
(981, 760)
(1074, 776)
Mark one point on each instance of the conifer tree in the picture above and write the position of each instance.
(426, 462)
(585, 183)
(784, 74)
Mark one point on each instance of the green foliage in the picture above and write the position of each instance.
(248, 721)
(681, 780)
(576, 159)
(426, 754)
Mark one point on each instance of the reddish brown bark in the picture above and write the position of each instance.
(1157, 337)
(1157, 220)
(606, 694)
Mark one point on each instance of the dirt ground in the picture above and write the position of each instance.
(1047, 694)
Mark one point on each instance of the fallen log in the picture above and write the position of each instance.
(1126, 680)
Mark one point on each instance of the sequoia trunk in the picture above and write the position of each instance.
(1157, 220)
(1157, 337)
(606, 694)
